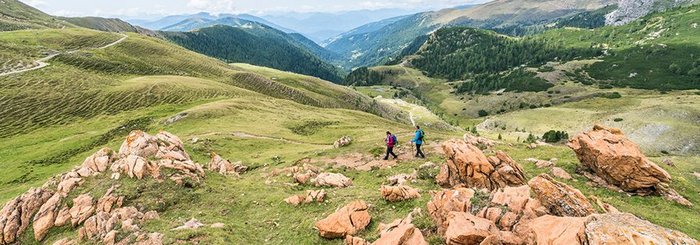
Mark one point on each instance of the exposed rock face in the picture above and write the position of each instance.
(625, 228)
(401, 231)
(225, 167)
(559, 198)
(332, 180)
(465, 228)
(309, 197)
(617, 160)
(630, 10)
(351, 240)
(46, 217)
(135, 167)
(467, 166)
(399, 193)
(17, 214)
(345, 221)
(558, 230)
(447, 201)
(83, 208)
(100, 161)
(342, 142)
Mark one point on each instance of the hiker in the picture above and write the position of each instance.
(418, 140)
(390, 143)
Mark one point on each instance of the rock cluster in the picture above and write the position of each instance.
(608, 154)
(310, 196)
(466, 165)
(398, 193)
(558, 214)
(225, 167)
(140, 156)
(347, 220)
(342, 142)
(478, 141)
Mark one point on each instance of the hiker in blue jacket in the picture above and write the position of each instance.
(418, 140)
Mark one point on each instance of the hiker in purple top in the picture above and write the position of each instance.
(391, 141)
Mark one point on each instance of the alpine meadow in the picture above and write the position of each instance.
(397, 122)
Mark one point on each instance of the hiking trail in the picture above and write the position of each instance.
(43, 62)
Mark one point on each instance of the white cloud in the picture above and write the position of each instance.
(213, 6)
(36, 3)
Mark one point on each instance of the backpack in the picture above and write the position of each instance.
(422, 135)
(393, 138)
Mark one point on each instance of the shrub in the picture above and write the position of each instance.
(613, 95)
(618, 119)
(554, 136)
(483, 113)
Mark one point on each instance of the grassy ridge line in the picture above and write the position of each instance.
(49, 90)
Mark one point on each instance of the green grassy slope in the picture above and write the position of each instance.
(15, 15)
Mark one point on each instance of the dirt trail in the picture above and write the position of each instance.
(43, 62)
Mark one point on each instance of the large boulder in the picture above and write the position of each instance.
(465, 228)
(559, 198)
(135, 167)
(624, 228)
(83, 208)
(100, 161)
(331, 180)
(225, 167)
(447, 201)
(609, 154)
(347, 220)
(466, 165)
(401, 231)
(399, 193)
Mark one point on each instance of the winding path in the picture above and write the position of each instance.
(43, 62)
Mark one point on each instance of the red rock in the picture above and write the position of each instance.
(558, 230)
(465, 228)
(559, 198)
(17, 214)
(398, 193)
(619, 161)
(447, 201)
(467, 166)
(400, 232)
(83, 208)
(623, 228)
(345, 221)
(46, 217)
(225, 167)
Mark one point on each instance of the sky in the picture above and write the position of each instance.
(155, 8)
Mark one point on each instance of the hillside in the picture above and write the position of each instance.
(15, 15)
(107, 24)
(257, 44)
(379, 46)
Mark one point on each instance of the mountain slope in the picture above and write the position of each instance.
(107, 24)
(256, 44)
(374, 47)
(15, 15)
(168, 21)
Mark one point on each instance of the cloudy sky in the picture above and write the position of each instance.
(140, 8)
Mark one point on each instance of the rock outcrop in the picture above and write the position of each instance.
(398, 193)
(225, 167)
(478, 141)
(559, 198)
(550, 229)
(140, 156)
(347, 220)
(466, 165)
(342, 142)
(619, 161)
(310, 196)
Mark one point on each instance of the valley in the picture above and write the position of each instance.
(232, 129)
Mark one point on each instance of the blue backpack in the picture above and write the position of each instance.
(396, 141)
